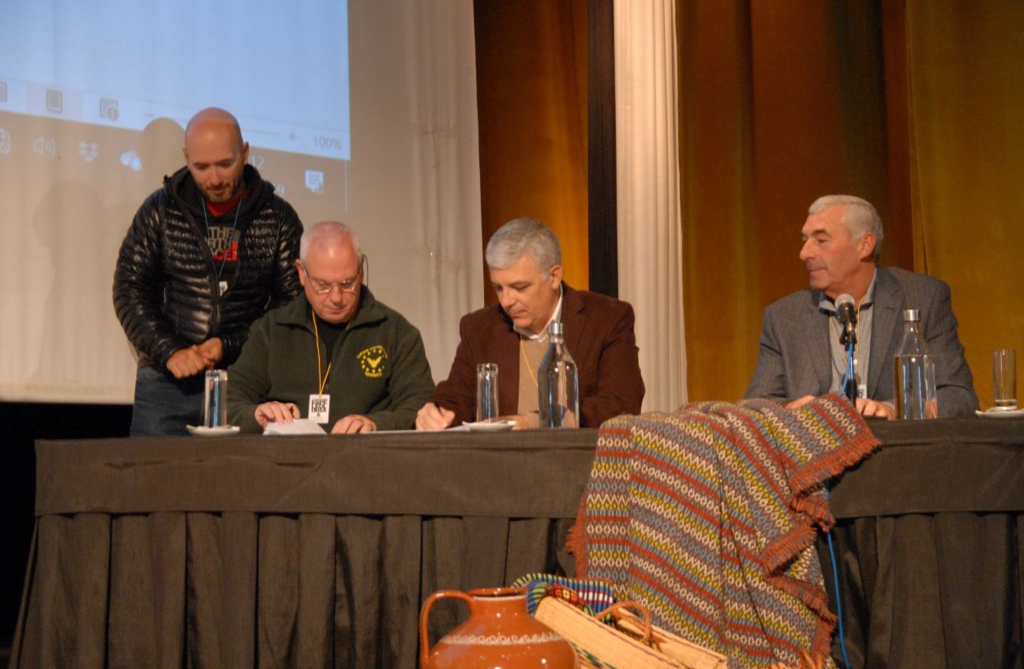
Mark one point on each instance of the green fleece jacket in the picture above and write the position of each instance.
(378, 366)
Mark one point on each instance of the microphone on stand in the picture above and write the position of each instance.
(847, 310)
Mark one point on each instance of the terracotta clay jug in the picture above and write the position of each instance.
(499, 633)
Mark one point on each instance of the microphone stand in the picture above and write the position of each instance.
(849, 383)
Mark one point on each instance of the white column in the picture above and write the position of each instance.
(649, 213)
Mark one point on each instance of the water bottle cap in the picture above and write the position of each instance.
(911, 315)
(556, 328)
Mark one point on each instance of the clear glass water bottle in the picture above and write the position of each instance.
(558, 383)
(915, 373)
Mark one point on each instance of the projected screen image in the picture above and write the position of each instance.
(87, 88)
(282, 68)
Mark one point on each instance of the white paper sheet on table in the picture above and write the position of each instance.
(460, 428)
(297, 426)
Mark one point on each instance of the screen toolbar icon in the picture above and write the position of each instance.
(315, 181)
(131, 160)
(88, 150)
(108, 109)
(45, 146)
(54, 101)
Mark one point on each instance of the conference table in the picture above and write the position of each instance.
(319, 551)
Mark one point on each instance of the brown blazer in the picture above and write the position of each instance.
(599, 334)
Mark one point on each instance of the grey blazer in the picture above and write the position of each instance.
(795, 359)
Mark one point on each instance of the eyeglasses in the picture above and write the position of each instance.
(325, 287)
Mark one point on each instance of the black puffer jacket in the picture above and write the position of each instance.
(165, 286)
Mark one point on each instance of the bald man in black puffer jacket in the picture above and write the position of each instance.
(205, 256)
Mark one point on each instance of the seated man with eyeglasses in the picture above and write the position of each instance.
(334, 354)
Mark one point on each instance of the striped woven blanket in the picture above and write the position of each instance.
(708, 516)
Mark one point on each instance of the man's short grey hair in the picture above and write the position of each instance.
(860, 218)
(323, 232)
(522, 236)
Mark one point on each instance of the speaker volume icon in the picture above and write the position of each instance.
(45, 146)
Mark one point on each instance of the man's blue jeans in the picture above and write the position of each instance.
(164, 405)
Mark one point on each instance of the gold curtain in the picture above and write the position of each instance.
(532, 108)
(784, 101)
(966, 63)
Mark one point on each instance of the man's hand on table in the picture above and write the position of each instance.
(354, 424)
(276, 412)
(872, 408)
(799, 402)
(876, 409)
(528, 421)
(433, 417)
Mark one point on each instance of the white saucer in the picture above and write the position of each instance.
(200, 431)
(490, 426)
(1001, 413)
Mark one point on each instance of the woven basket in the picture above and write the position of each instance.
(602, 646)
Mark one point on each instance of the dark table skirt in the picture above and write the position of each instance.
(245, 552)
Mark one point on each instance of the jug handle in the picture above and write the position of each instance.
(425, 613)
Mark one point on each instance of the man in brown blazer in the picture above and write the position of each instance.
(524, 259)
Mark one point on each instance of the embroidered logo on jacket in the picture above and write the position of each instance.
(373, 361)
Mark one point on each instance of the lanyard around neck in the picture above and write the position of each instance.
(321, 381)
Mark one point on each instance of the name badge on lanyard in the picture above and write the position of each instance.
(862, 391)
(319, 408)
(319, 405)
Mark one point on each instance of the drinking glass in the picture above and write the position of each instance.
(1004, 378)
(486, 391)
(215, 399)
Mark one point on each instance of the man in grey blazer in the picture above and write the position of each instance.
(800, 354)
